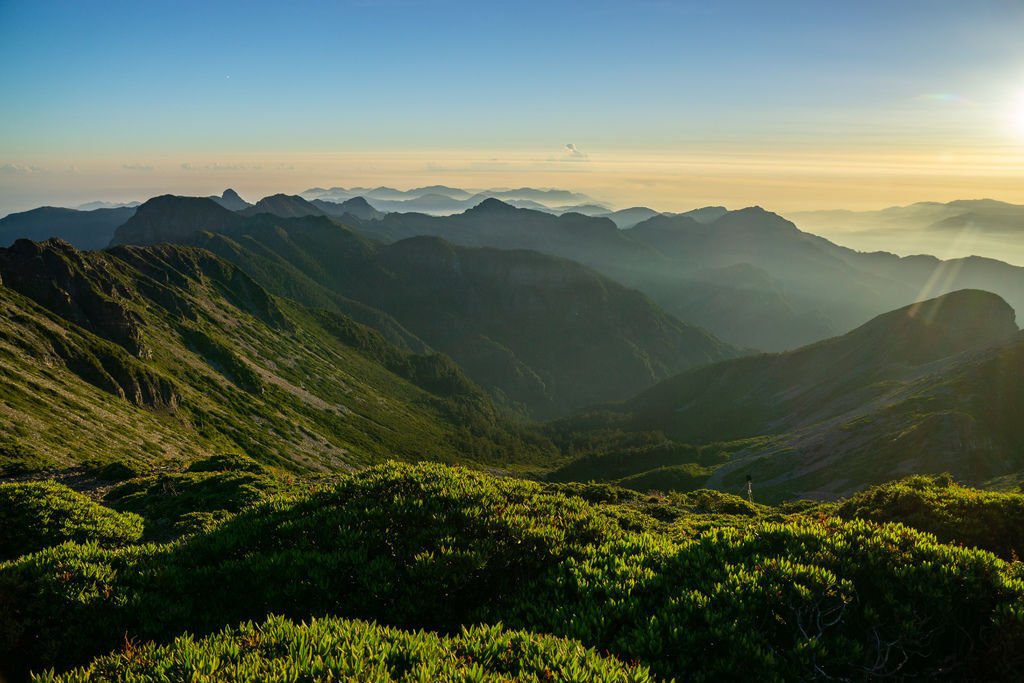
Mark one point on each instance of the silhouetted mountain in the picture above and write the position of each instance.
(674, 260)
(982, 227)
(749, 276)
(428, 203)
(585, 209)
(627, 218)
(283, 206)
(168, 218)
(706, 214)
(84, 229)
(442, 200)
(230, 200)
(357, 207)
(914, 390)
(92, 206)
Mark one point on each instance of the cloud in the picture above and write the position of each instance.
(19, 169)
(219, 167)
(136, 167)
(573, 153)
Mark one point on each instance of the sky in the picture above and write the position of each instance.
(788, 105)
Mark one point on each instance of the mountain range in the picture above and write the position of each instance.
(966, 227)
(471, 323)
(527, 327)
(928, 388)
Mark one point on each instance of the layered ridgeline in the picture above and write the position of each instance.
(932, 387)
(541, 334)
(963, 227)
(84, 228)
(749, 276)
(513, 580)
(146, 356)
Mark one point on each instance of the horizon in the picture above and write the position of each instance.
(923, 101)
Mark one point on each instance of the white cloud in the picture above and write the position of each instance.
(573, 153)
(19, 169)
(219, 167)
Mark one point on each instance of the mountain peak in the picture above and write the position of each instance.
(284, 206)
(231, 201)
(169, 217)
(754, 218)
(492, 205)
(952, 323)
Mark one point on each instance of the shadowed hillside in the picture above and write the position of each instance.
(542, 335)
(147, 355)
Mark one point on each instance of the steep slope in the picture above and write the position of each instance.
(84, 229)
(541, 334)
(927, 388)
(145, 355)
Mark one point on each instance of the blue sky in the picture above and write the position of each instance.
(135, 93)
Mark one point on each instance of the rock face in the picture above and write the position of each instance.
(80, 287)
(74, 285)
(168, 218)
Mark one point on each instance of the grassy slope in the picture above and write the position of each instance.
(211, 362)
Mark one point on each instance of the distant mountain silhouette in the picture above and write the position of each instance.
(91, 229)
(92, 206)
(749, 276)
(284, 206)
(627, 218)
(982, 227)
(168, 218)
(230, 200)
(356, 207)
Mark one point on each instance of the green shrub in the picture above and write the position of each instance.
(36, 515)
(168, 501)
(955, 514)
(335, 649)
(226, 462)
(436, 547)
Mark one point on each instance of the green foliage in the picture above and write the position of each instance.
(226, 462)
(176, 503)
(955, 514)
(435, 547)
(686, 477)
(335, 649)
(40, 514)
